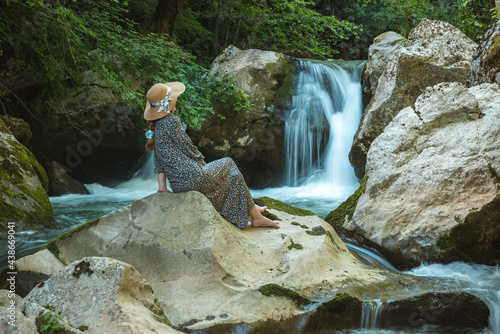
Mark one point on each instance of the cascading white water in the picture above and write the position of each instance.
(325, 112)
(326, 108)
(371, 313)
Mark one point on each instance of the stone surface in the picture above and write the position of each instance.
(12, 319)
(60, 182)
(97, 135)
(433, 165)
(254, 139)
(485, 66)
(23, 187)
(379, 53)
(198, 256)
(18, 127)
(97, 295)
(32, 270)
(434, 52)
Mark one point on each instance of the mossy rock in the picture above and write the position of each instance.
(336, 218)
(276, 290)
(52, 245)
(341, 312)
(476, 239)
(18, 127)
(452, 309)
(23, 186)
(280, 206)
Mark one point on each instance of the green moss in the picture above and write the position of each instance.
(294, 245)
(493, 50)
(270, 215)
(299, 224)
(24, 219)
(314, 233)
(330, 236)
(52, 245)
(276, 290)
(282, 95)
(336, 217)
(494, 176)
(342, 303)
(280, 206)
(40, 196)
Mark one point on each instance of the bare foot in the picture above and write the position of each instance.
(264, 221)
(261, 208)
(163, 190)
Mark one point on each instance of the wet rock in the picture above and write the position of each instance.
(454, 310)
(485, 66)
(433, 166)
(434, 52)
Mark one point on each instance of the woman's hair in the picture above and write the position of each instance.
(150, 144)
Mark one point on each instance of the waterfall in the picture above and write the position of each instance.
(371, 314)
(325, 112)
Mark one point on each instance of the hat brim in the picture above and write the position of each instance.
(151, 113)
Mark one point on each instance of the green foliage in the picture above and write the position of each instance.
(473, 17)
(86, 41)
(50, 322)
(278, 25)
(293, 25)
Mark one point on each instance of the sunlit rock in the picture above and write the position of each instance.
(97, 295)
(434, 165)
(379, 53)
(254, 138)
(434, 52)
(206, 273)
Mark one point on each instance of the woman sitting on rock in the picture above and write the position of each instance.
(177, 158)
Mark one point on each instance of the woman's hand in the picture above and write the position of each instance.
(203, 163)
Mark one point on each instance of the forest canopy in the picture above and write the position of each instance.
(129, 45)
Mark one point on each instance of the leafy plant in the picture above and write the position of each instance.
(50, 322)
(84, 43)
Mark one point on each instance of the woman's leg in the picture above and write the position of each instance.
(259, 220)
(162, 182)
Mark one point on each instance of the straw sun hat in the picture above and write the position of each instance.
(161, 99)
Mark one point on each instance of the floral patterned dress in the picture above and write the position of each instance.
(220, 181)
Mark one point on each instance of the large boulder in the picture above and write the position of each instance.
(434, 52)
(98, 295)
(485, 66)
(96, 133)
(434, 166)
(208, 274)
(379, 53)
(12, 318)
(24, 202)
(254, 138)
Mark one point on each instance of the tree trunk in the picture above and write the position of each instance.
(217, 27)
(165, 16)
(228, 26)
